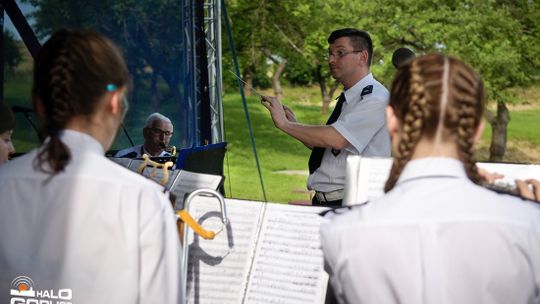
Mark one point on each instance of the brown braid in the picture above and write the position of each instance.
(71, 73)
(467, 106)
(412, 121)
(58, 112)
(415, 98)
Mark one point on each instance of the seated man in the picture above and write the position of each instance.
(157, 133)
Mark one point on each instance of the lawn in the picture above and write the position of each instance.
(278, 152)
(283, 160)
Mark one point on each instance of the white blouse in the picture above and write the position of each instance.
(106, 234)
(435, 238)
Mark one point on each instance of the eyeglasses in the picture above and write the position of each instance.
(160, 132)
(340, 53)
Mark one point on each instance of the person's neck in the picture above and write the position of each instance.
(103, 134)
(354, 79)
(153, 152)
(427, 148)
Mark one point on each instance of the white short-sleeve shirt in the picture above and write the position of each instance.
(435, 238)
(107, 234)
(363, 123)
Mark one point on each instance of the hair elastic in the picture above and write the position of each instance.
(111, 87)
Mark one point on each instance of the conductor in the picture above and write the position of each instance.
(357, 124)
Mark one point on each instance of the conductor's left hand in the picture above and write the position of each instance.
(276, 109)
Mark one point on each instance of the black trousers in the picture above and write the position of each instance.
(316, 202)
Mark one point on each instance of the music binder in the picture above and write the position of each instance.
(365, 176)
(179, 182)
(269, 253)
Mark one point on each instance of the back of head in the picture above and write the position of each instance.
(401, 56)
(360, 40)
(436, 97)
(72, 71)
(7, 119)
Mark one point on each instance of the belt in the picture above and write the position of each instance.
(329, 196)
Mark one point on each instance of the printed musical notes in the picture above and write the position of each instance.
(269, 254)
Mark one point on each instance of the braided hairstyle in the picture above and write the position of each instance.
(434, 97)
(71, 75)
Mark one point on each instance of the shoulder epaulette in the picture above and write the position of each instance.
(366, 90)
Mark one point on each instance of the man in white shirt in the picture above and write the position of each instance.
(357, 125)
(157, 132)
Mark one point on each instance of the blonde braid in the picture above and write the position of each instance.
(413, 120)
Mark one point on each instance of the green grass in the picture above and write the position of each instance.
(277, 151)
(524, 125)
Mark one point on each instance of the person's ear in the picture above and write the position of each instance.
(392, 122)
(479, 131)
(115, 101)
(364, 56)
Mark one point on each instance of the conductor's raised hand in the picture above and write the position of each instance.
(289, 114)
(276, 110)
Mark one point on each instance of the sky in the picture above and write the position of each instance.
(26, 8)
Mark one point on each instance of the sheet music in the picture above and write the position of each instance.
(372, 176)
(218, 268)
(288, 263)
(124, 162)
(368, 176)
(156, 174)
(187, 182)
(511, 171)
(135, 164)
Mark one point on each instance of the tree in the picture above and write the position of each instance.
(12, 52)
(148, 31)
(498, 38)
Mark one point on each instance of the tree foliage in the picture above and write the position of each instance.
(12, 53)
(499, 38)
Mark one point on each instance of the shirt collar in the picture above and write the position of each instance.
(354, 92)
(76, 140)
(432, 166)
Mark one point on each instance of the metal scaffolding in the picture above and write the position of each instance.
(212, 30)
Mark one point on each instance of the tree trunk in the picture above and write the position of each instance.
(276, 84)
(499, 126)
(248, 78)
(321, 80)
(325, 93)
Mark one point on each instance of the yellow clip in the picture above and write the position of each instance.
(165, 167)
(192, 223)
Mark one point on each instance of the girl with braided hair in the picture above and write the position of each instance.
(81, 227)
(436, 236)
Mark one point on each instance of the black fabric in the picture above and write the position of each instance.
(317, 153)
(366, 90)
(316, 202)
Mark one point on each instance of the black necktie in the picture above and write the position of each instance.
(317, 153)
